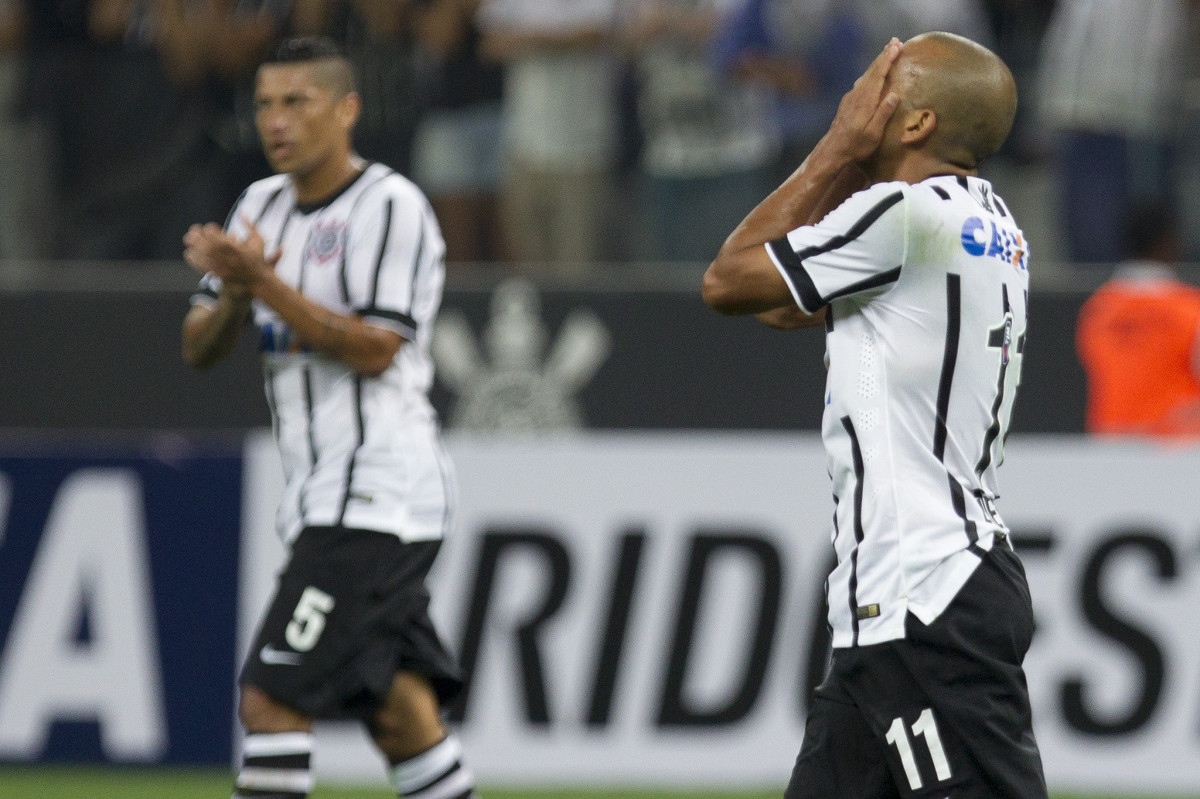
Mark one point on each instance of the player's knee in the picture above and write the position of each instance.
(260, 713)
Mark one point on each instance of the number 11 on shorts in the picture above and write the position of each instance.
(925, 726)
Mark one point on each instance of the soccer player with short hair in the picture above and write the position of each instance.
(887, 237)
(340, 265)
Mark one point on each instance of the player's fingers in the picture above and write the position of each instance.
(887, 56)
(885, 110)
(205, 235)
(859, 104)
(195, 260)
(877, 72)
(273, 258)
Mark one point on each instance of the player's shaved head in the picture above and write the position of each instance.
(331, 70)
(969, 89)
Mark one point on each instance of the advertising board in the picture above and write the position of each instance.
(633, 609)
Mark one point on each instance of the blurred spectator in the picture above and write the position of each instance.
(905, 19)
(379, 39)
(1017, 27)
(1139, 339)
(246, 30)
(708, 142)
(25, 204)
(456, 152)
(1110, 89)
(808, 52)
(560, 115)
(118, 84)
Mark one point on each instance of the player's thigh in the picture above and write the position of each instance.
(954, 730)
(840, 757)
(967, 666)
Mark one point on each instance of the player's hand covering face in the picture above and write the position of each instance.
(862, 116)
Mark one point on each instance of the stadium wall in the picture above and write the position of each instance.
(638, 608)
(100, 352)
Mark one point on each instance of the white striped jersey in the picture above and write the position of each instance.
(357, 451)
(926, 288)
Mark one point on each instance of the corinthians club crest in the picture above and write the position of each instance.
(519, 387)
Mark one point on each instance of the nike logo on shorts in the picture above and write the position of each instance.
(273, 657)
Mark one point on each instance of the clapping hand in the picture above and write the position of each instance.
(241, 263)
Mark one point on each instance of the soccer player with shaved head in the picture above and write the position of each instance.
(887, 239)
(339, 264)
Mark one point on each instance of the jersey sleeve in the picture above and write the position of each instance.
(390, 241)
(857, 247)
(208, 292)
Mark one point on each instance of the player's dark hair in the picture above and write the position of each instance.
(304, 48)
(1149, 227)
(318, 49)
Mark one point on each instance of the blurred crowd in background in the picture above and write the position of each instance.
(573, 132)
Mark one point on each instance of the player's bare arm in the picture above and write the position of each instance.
(793, 317)
(364, 348)
(742, 279)
(211, 332)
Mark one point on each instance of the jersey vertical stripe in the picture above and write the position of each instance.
(359, 437)
(310, 438)
(1001, 339)
(383, 243)
(949, 360)
(959, 497)
(859, 534)
(412, 295)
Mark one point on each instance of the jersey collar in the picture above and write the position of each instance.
(324, 202)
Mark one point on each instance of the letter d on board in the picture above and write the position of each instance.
(674, 708)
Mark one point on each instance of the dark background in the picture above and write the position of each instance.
(107, 358)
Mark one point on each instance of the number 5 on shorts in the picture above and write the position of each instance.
(925, 726)
(308, 620)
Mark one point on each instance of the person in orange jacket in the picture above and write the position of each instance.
(1138, 338)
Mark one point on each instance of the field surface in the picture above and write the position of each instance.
(80, 783)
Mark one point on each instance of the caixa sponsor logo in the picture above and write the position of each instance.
(980, 237)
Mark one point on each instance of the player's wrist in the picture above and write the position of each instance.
(258, 278)
(237, 293)
(830, 156)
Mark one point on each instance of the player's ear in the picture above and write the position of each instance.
(918, 124)
(348, 109)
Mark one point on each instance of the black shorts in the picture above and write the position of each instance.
(350, 610)
(942, 713)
